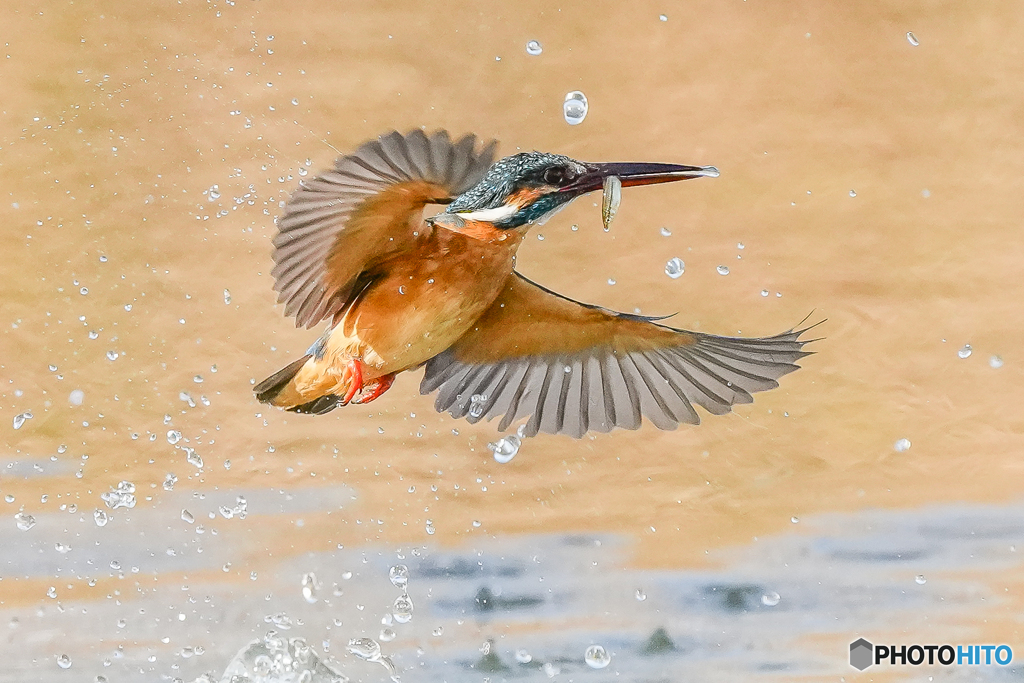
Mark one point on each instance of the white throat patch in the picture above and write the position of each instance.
(494, 215)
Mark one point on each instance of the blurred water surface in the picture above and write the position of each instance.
(145, 149)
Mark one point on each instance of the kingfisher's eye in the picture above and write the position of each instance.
(557, 175)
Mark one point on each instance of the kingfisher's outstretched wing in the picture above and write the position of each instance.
(338, 225)
(573, 368)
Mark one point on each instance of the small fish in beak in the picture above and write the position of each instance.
(611, 199)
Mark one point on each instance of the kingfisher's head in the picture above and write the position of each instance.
(526, 188)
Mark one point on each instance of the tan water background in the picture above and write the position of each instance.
(871, 182)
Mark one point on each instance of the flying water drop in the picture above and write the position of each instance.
(399, 575)
(365, 648)
(597, 657)
(402, 609)
(674, 268)
(505, 448)
(24, 521)
(575, 108)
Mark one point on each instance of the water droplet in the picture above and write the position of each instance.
(194, 458)
(214, 192)
(534, 48)
(920, 579)
(611, 281)
(770, 599)
(365, 648)
(24, 521)
(965, 352)
(438, 632)
(912, 39)
(476, 405)
(853, 193)
(663, 17)
(187, 516)
(430, 527)
(198, 379)
(794, 520)
(674, 268)
(505, 448)
(723, 270)
(311, 587)
(764, 292)
(523, 657)
(76, 397)
(122, 496)
(402, 609)
(20, 418)
(665, 232)
(100, 517)
(63, 661)
(62, 548)
(995, 362)
(640, 595)
(926, 193)
(387, 635)
(740, 245)
(902, 445)
(111, 355)
(597, 657)
(399, 575)
(173, 436)
(83, 291)
(169, 481)
(551, 670)
(575, 108)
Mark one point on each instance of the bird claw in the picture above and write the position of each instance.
(354, 370)
(373, 390)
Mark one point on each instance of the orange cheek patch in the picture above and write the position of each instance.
(526, 196)
(486, 232)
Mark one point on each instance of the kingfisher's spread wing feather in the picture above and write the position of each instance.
(339, 225)
(572, 368)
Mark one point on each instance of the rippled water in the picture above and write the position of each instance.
(159, 520)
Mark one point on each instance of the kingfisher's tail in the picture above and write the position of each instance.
(300, 387)
(270, 388)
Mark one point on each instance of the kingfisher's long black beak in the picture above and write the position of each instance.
(631, 174)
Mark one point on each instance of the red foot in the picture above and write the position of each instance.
(375, 389)
(355, 380)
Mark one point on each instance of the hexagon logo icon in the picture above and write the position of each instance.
(861, 654)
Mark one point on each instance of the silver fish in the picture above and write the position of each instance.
(610, 202)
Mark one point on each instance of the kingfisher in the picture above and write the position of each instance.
(403, 287)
